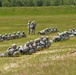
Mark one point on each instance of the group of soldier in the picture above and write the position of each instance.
(64, 35)
(48, 30)
(35, 45)
(12, 36)
(72, 32)
(31, 27)
(29, 47)
(61, 36)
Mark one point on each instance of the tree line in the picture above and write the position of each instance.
(19, 3)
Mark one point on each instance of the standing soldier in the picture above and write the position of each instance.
(29, 24)
(33, 27)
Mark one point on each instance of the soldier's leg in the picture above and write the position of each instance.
(16, 54)
(28, 30)
(31, 31)
(3, 55)
(34, 31)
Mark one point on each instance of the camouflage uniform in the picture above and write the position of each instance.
(32, 48)
(23, 34)
(11, 52)
(26, 48)
(29, 24)
(48, 43)
(33, 24)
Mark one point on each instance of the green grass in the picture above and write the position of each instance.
(6, 11)
(15, 19)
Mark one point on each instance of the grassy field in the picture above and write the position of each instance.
(52, 61)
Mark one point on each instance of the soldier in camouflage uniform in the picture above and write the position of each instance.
(33, 27)
(23, 34)
(29, 24)
(26, 48)
(1, 39)
(11, 52)
(48, 43)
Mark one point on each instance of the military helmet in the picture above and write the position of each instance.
(70, 29)
(46, 28)
(44, 39)
(9, 33)
(47, 37)
(31, 41)
(38, 39)
(14, 45)
(18, 32)
(27, 43)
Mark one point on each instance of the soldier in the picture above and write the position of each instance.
(42, 42)
(23, 34)
(40, 45)
(21, 49)
(14, 35)
(32, 48)
(11, 52)
(52, 29)
(48, 43)
(55, 29)
(46, 30)
(56, 38)
(73, 29)
(18, 34)
(33, 27)
(26, 48)
(74, 33)
(70, 31)
(29, 24)
(35, 44)
(6, 36)
(9, 37)
(43, 32)
(1, 39)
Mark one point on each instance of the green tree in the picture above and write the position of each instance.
(6, 3)
(39, 2)
(0, 3)
(57, 2)
(46, 2)
(25, 2)
(30, 3)
(18, 3)
(74, 2)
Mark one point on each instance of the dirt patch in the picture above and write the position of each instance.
(52, 51)
(8, 67)
(56, 56)
(62, 57)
